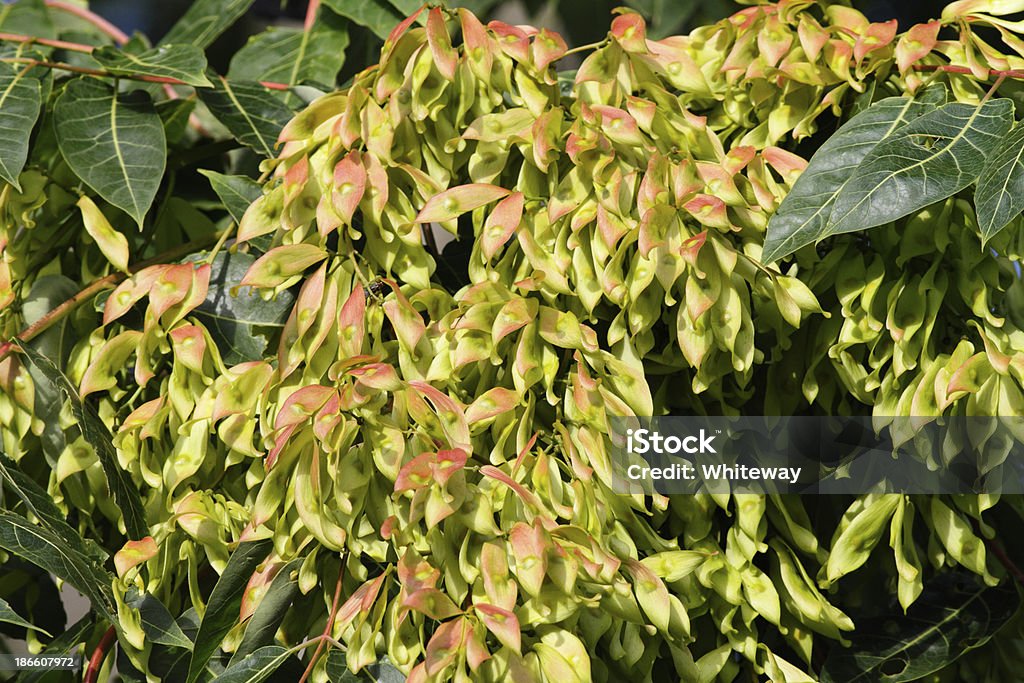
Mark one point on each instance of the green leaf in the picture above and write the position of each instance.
(174, 114)
(379, 16)
(803, 216)
(20, 102)
(234, 315)
(291, 55)
(186, 63)
(222, 608)
(204, 21)
(9, 616)
(252, 115)
(57, 555)
(126, 493)
(41, 506)
(257, 666)
(27, 17)
(266, 620)
(926, 161)
(954, 614)
(337, 668)
(157, 623)
(999, 197)
(64, 644)
(237, 192)
(115, 144)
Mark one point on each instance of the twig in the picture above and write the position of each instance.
(328, 628)
(99, 654)
(80, 47)
(92, 289)
(118, 36)
(950, 68)
(311, 10)
(59, 44)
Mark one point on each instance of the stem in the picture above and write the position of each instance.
(311, 11)
(99, 654)
(96, 20)
(328, 628)
(59, 44)
(81, 47)
(950, 68)
(1004, 559)
(584, 48)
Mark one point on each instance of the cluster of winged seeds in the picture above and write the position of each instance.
(445, 450)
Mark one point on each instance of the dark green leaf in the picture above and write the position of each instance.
(204, 21)
(925, 161)
(235, 315)
(267, 618)
(41, 506)
(255, 667)
(20, 101)
(337, 668)
(999, 197)
(185, 63)
(126, 493)
(27, 17)
(222, 608)
(236, 191)
(64, 644)
(291, 55)
(55, 554)
(803, 216)
(115, 144)
(157, 623)
(175, 114)
(380, 16)
(9, 616)
(248, 110)
(954, 614)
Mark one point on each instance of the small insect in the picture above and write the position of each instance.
(376, 290)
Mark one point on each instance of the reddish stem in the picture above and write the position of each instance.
(96, 20)
(59, 44)
(311, 11)
(327, 629)
(950, 68)
(99, 654)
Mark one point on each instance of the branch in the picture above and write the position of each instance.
(59, 44)
(311, 11)
(65, 308)
(328, 628)
(99, 654)
(950, 68)
(96, 20)
(80, 47)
